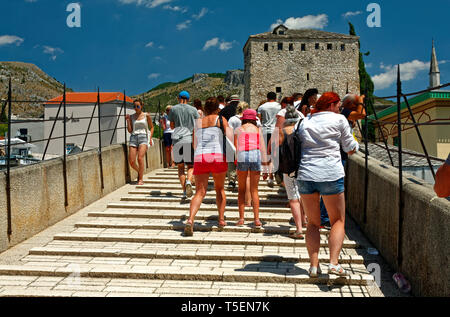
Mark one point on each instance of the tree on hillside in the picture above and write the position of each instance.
(366, 84)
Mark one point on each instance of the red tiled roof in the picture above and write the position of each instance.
(90, 97)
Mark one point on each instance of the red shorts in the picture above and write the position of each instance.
(210, 163)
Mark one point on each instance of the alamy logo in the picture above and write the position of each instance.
(374, 18)
(74, 18)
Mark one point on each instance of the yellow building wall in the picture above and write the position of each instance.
(411, 140)
(443, 134)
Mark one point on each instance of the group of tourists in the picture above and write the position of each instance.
(301, 143)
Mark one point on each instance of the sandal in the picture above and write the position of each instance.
(258, 224)
(297, 236)
(189, 229)
(240, 223)
(337, 270)
(222, 224)
(314, 271)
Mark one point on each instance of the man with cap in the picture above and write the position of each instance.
(182, 119)
(228, 112)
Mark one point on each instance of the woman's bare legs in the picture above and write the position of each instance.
(200, 193)
(132, 153)
(254, 183)
(248, 194)
(312, 208)
(141, 153)
(221, 199)
(335, 205)
(242, 189)
(296, 212)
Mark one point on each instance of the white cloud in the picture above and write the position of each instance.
(211, 43)
(147, 3)
(10, 39)
(201, 14)
(225, 46)
(149, 44)
(153, 76)
(408, 71)
(307, 22)
(52, 51)
(175, 8)
(216, 42)
(350, 13)
(184, 25)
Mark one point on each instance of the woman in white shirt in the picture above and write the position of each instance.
(322, 173)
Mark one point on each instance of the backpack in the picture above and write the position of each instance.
(290, 149)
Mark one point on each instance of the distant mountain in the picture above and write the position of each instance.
(200, 86)
(28, 83)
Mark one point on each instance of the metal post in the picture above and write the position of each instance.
(400, 172)
(420, 137)
(366, 174)
(66, 201)
(89, 126)
(382, 135)
(128, 176)
(100, 139)
(8, 165)
(117, 122)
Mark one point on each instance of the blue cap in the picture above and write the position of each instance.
(184, 94)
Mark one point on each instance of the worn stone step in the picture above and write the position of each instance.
(256, 273)
(173, 186)
(117, 211)
(154, 236)
(178, 193)
(185, 207)
(185, 255)
(206, 200)
(164, 224)
(169, 180)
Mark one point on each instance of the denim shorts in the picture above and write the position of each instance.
(323, 188)
(137, 140)
(249, 161)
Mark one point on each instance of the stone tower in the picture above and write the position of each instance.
(288, 61)
(435, 75)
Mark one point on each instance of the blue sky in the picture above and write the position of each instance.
(137, 44)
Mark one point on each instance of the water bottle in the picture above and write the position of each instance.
(402, 283)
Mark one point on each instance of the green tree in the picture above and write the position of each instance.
(366, 85)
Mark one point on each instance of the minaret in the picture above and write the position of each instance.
(435, 77)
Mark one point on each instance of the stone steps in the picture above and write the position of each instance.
(206, 200)
(256, 273)
(205, 254)
(154, 236)
(185, 207)
(178, 193)
(177, 186)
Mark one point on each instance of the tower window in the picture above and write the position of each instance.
(280, 46)
(317, 46)
(307, 76)
(278, 90)
(281, 32)
(303, 47)
(291, 47)
(266, 47)
(329, 46)
(342, 47)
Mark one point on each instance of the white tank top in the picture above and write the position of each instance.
(209, 140)
(140, 126)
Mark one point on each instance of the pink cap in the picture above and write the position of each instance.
(249, 114)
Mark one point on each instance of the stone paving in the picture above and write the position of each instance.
(130, 243)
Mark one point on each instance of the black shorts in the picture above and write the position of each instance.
(167, 139)
(181, 153)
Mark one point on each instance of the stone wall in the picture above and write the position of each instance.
(37, 191)
(296, 71)
(426, 225)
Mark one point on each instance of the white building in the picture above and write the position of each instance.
(79, 108)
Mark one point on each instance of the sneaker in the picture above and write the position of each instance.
(184, 197)
(231, 184)
(278, 178)
(292, 221)
(314, 271)
(326, 226)
(270, 183)
(188, 230)
(189, 191)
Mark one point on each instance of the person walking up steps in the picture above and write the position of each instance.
(209, 159)
(182, 119)
(165, 123)
(141, 138)
(250, 145)
(321, 173)
(268, 115)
